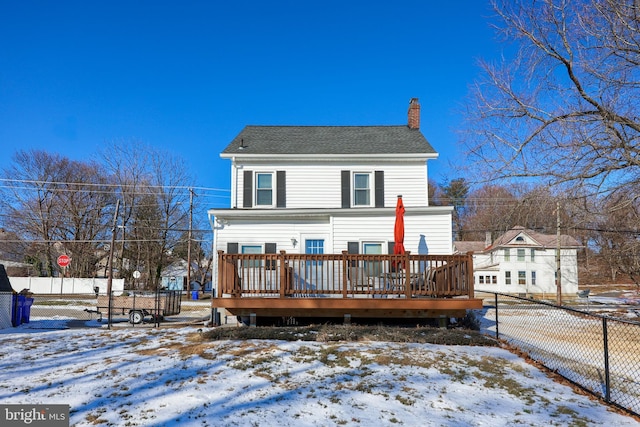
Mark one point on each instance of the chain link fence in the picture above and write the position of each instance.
(599, 353)
(59, 311)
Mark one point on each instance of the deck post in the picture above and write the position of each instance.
(347, 319)
(284, 274)
(442, 322)
(345, 269)
(407, 275)
(469, 273)
(252, 320)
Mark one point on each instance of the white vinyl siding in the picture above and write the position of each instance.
(424, 234)
(317, 185)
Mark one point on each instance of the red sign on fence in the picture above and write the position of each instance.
(63, 260)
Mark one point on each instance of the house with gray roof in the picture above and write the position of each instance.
(523, 261)
(329, 189)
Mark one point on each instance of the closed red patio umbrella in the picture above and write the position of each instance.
(398, 231)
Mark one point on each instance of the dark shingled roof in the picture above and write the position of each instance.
(329, 140)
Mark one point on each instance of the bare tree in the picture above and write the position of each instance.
(153, 185)
(84, 201)
(620, 242)
(564, 107)
(56, 204)
(455, 194)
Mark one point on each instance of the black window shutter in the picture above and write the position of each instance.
(247, 195)
(232, 248)
(281, 190)
(346, 189)
(379, 177)
(270, 248)
(353, 248)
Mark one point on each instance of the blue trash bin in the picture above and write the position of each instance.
(194, 295)
(16, 311)
(26, 309)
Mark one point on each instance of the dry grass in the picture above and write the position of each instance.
(335, 333)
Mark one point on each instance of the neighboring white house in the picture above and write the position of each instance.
(174, 276)
(523, 261)
(328, 189)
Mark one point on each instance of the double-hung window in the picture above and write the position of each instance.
(507, 255)
(520, 254)
(522, 277)
(264, 189)
(362, 189)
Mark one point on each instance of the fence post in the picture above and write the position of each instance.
(470, 282)
(607, 385)
(496, 303)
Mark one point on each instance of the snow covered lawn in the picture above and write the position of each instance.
(170, 377)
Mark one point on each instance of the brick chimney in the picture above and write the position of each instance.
(414, 114)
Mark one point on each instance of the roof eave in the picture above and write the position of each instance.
(331, 156)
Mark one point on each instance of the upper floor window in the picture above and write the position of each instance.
(264, 189)
(533, 254)
(361, 189)
(507, 255)
(520, 254)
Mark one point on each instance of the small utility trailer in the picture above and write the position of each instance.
(138, 306)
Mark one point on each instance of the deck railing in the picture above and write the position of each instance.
(344, 275)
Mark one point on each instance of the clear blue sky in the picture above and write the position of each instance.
(188, 76)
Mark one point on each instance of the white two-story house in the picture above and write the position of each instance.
(329, 189)
(523, 261)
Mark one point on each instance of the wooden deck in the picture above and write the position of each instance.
(345, 285)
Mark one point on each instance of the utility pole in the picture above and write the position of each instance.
(124, 210)
(189, 238)
(110, 263)
(558, 249)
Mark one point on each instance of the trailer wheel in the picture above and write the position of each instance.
(136, 317)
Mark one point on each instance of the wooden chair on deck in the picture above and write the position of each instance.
(425, 282)
(231, 282)
(360, 279)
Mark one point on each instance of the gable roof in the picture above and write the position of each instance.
(506, 240)
(332, 140)
(468, 246)
(544, 240)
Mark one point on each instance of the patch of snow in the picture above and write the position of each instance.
(166, 377)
